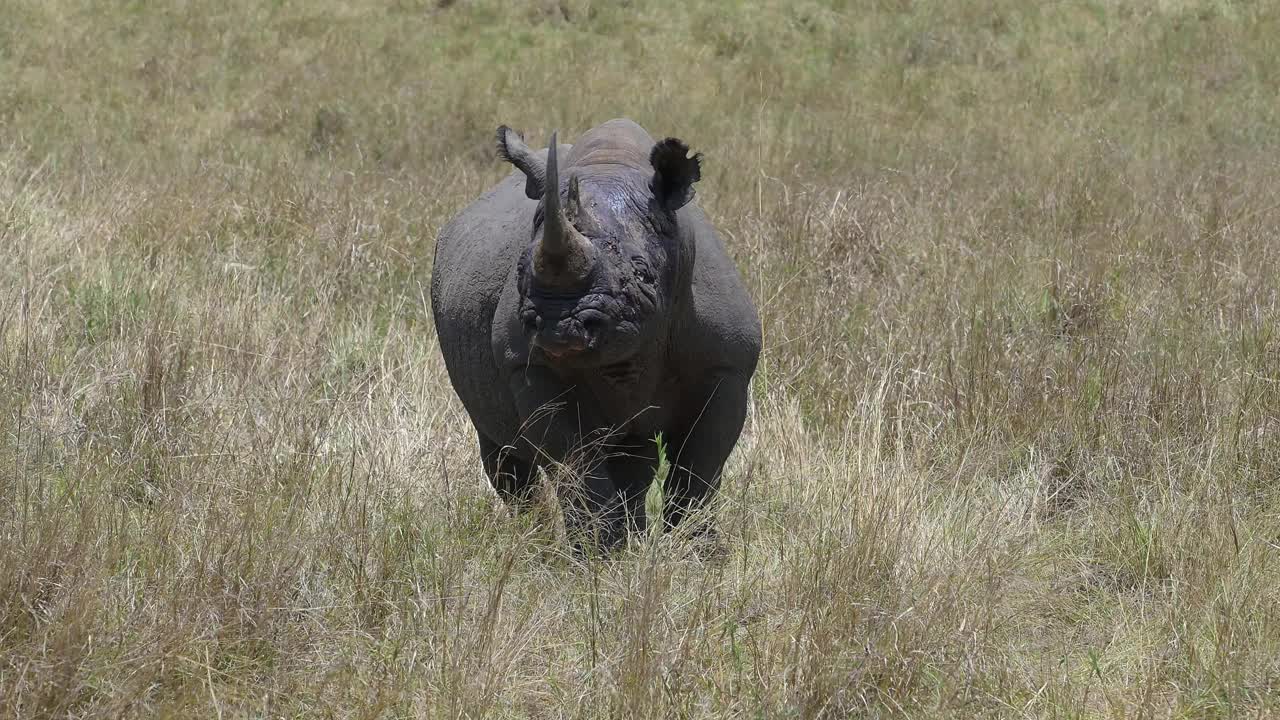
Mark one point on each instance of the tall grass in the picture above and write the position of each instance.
(1014, 447)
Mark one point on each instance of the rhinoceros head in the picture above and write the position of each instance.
(598, 275)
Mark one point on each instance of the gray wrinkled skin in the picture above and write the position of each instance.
(594, 319)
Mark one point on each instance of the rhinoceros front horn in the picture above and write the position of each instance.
(564, 256)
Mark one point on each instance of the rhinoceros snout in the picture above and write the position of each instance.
(572, 335)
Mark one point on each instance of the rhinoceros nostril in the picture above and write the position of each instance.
(593, 322)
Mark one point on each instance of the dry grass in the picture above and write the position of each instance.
(1014, 448)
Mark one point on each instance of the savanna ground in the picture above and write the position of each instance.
(1014, 446)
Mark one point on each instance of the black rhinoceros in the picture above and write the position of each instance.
(585, 302)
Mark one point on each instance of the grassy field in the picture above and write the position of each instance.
(1014, 448)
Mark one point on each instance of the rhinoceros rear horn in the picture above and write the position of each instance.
(511, 148)
(674, 174)
(564, 256)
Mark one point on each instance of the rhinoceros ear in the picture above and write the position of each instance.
(511, 148)
(674, 173)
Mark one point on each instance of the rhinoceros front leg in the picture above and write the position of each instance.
(702, 446)
(633, 462)
(560, 426)
(513, 478)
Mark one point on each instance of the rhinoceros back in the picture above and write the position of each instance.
(475, 255)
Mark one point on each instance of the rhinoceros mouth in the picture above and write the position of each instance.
(618, 374)
(561, 352)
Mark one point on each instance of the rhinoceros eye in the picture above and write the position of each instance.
(643, 271)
